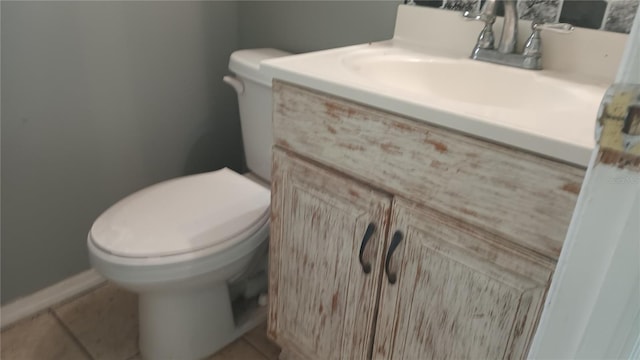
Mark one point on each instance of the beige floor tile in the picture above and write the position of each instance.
(258, 338)
(105, 321)
(238, 350)
(39, 338)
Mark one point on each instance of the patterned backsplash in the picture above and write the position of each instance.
(609, 15)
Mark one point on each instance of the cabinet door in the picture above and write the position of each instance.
(322, 303)
(460, 292)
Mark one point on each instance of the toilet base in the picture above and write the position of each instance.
(189, 324)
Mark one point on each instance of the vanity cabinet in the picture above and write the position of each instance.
(322, 303)
(459, 293)
(395, 239)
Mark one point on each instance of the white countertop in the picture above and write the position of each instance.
(557, 131)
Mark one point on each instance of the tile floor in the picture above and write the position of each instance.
(103, 325)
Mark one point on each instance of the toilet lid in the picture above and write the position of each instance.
(183, 215)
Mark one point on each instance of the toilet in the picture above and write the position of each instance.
(194, 248)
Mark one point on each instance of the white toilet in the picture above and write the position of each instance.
(191, 245)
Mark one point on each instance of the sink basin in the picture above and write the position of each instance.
(470, 82)
(550, 112)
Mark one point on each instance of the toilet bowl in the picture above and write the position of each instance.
(190, 246)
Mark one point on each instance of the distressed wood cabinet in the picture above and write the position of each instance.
(460, 293)
(394, 239)
(326, 304)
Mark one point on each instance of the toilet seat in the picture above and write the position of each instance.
(207, 213)
(137, 274)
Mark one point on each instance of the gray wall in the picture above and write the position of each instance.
(100, 99)
(301, 26)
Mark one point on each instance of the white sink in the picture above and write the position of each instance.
(470, 82)
(424, 73)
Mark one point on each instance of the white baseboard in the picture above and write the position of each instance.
(45, 298)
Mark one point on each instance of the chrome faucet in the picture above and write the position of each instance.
(505, 54)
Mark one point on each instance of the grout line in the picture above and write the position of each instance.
(560, 5)
(25, 319)
(255, 347)
(70, 333)
(605, 16)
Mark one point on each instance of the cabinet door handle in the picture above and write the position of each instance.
(395, 241)
(366, 267)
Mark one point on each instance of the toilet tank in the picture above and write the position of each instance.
(254, 98)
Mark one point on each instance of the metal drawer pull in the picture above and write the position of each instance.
(366, 267)
(395, 241)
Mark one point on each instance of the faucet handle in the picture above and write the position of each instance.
(472, 15)
(533, 46)
(486, 39)
(562, 28)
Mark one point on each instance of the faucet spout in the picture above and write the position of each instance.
(489, 7)
(510, 28)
